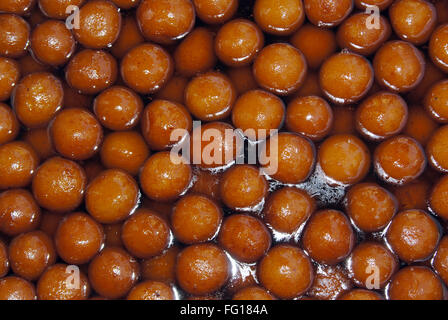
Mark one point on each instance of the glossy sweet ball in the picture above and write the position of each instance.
(4, 260)
(76, 134)
(217, 11)
(286, 271)
(196, 218)
(436, 149)
(78, 238)
(280, 68)
(436, 101)
(164, 21)
(146, 68)
(151, 290)
(399, 66)
(30, 254)
(164, 180)
(246, 238)
(15, 288)
(361, 294)
(415, 283)
(210, 96)
(329, 283)
(14, 39)
(126, 4)
(159, 121)
(112, 196)
(279, 18)
(441, 259)
(9, 126)
(346, 77)
(195, 54)
(59, 185)
(145, 234)
(287, 209)
(202, 269)
(52, 43)
(57, 283)
(413, 235)
(161, 268)
(56, 9)
(253, 293)
(257, 112)
(399, 160)
(207, 183)
(238, 42)
(37, 98)
(437, 47)
(19, 7)
(9, 77)
(288, 157)
(104, 268)
(118, 108)
(327, 13)
(125, 150)
(91, 71)
(368, 257)
(370, 206)
(18, 163)
(328, 237)
(99, 24)
(243, 187)
(310, 116)
(437, 198)
(413, 20)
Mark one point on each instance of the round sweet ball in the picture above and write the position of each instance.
(15, 288)
(9, 126)
(91, 71)
(112, 196)
(196, 218)
(286, 271)
(103, 270)
(436, 149)
(215, 12)
(78, 238)
(145, 234)
(416, 283)
(165, 21)
(151, 290)
(202, 269)
(9, 77)
(327, 13)
(441, 258)
(160, 120)
(328, 237)
(245, 237)
(57, 9)
(413, 235)
(346, 77)
(59, 185)
(438, 196)
(280, 68)
(19, 212)
(437, 47)
(19, 7)
(146, 68)
(18, 163)
(14, 39)
(243, 187)
(59, 282)
(52, 43)
(76, 134)
(99, 24)
(253, 293)
(37, 98)
(163, 179)
(30, 254)
(361, 294)
(4, 259)
(436, 101)
(399, 160)
(370, 206)
(287, 209)
(279, 18)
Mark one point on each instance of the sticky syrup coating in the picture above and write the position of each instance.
(196, 218)
(129, 37)
(172, 178)
(173, 90)
(327, 13)
(436, 149)
(40, 141)
(420, 125)
(287, 209)
(126, 4)
(159, 121)
(245, 237)
(9, 77)
(4, 259)
(413, 235)
(437, 49)
(441, 259)
(415, 283)
(14, 40)
(30, 254)
(242, 78)
(329, 283)
(162, 267)
(15, 288)
(328, 237)
(9, 126)
(126, 150)
(437, 198)
(280, 68)
(151, 290)
(280, 18)
(202, 269)
(56, 9)
(286, 271)
(436, 101)
(78, 238)
(37, 98)
(258, 110)
(145, 234)
(370, 206)
(59, 185)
